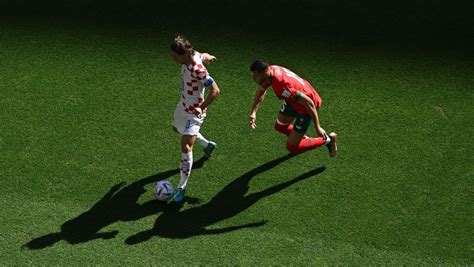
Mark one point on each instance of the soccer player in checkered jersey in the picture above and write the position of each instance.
(300, 104)
(191, 109)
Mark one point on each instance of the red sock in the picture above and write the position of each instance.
(306, 144)
(284, 129)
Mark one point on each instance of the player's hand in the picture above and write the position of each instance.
(198, 112)
(321, 132)
(209, 59)
(253, 119)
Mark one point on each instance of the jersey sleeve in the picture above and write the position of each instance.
(202, 76)
(198, 54)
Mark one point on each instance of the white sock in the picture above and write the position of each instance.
(201, 140)
(185, 168)
(328, 140)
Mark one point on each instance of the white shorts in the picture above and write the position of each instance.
(187, 123)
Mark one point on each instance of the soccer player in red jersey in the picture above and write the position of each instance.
(300, 104)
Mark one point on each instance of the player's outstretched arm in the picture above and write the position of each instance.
(208, 58)
(259, 97)
(311, 108)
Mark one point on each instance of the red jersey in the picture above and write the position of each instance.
(288, 86)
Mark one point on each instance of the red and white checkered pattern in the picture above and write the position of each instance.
(193, 77)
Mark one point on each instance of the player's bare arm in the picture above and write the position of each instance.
(214, 91)
(208, 58)
(311, 108)
(259, 97)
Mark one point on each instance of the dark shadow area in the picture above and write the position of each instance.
(118, 204)
(428, 22)
(229, 202)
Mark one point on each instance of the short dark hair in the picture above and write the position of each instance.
(259, 66)
(181, 45)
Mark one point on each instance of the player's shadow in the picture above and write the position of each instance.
(232, 200)
(118, 204)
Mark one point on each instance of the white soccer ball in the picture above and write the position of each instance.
(163, 190)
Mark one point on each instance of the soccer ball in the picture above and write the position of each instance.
(163, 190)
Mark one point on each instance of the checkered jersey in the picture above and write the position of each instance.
(194, 80)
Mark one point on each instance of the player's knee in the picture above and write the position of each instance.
(283, 128)
(186, 148)
(278, 127)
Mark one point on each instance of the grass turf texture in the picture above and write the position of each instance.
(86, 113)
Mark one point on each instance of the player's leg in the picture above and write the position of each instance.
(185, 166)
(182, 124)
(296, 143)
(187, 142)
(189, 129)
(201, 140)
(285, 119)
(283, 124)
(207, 146)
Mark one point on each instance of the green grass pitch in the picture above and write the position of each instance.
(85, 117)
